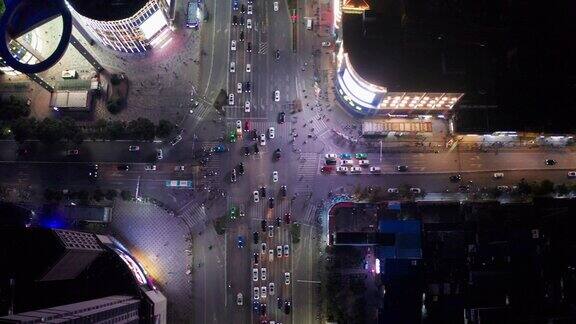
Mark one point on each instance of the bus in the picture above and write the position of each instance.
(179, 183)
(192, 14)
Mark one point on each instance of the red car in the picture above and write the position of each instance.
(247, 126)
(327, 169)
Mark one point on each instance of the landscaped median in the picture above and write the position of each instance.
(295, 233)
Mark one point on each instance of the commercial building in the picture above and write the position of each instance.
(126, 26)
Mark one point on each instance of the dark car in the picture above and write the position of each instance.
(242, 8)
(550, 162)
(123, 167)
(256, 257)
(263, 225)
(402, 168)
(277, 154)
(256, 149)
(241, 38)
(93, 171)
(240, 242)
(330, 162)
(287, 307)
(277, 54)
(241, 168)
(455, 178)
(271, 202)
(263, 192)
(254, 134)
(242, 21)
(281, 117)
(279, 302)
(278, 221)
(256, 306)
(256, 237)
(249, 47)
(234, 20)
(283, 191)
(262, 309)
(287, 218)
(247, 87)
(23, 151)
(246, 150)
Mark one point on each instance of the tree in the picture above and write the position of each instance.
(562, 189)
(545, 188)
(98, 195)
(164, 128)
(115, 79)
(111, 194)
(13, 109)
(141, 129)
(115, 130)
(114, 105)
(49, 131)
(71, 132)
(24, 129)
(126, 195)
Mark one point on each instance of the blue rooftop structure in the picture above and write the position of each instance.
(408, 239)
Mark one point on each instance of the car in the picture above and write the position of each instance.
(248, 68)
(263, 273)
(279, 251)
(287, 278)
(249, 49)
(330, 156)
(402, 168)
(455, 178)
(271, 255)
(364, 162)
(341, 169)
(246, 150)
(241, 20)
(240, 168)
(345, 156)
(278, 221)
(286, 250)
(326, 44)
(326, 169)
(247, 126)
(279, 303)
(375, 169)
(123, 167)
(287, 307)
(242, 8)
(256, 258)
(239, 87)
(72, 152)
(232, 212)
(263, 191)
(179, 168)
(247, 106)
(232, 66)
(271, 289)
(133, 148)
(150, 167)
(271, 202)
(415, 190)
(249, 23)
(233, 45)
(271, 132)
(232, 136)
(263, 225)
(498, 175)
(355, 169)
(270, 231)
(256, 237)
(361, 156)
(234, 20)
(274, 176)
(220, 148)
(233, 176)
(235, 5)
(283, 191)
(249, 10)
(240, 242)
(550, 162)
(277, 54)
(241, 36)
(393, 190)
(276, 95)
(256, 293)
(247, 87)
(263, 139)
(93, 171)
(503, 188)
(176, 140)
(287, 217)
(263, 246)
(275, 5)
(571, 174)
(277, 154)
(263, 290)
(256, 196)
(346, 162)
(281, 117)
(263, 311)
(231, 99)
(239, 299)
(239, 125)
(255, 306)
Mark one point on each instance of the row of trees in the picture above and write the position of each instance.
(84, 196)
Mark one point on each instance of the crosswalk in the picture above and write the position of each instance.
(307, 170)
(263, 48)
(200, 113)
(192, 214)
(309, 214)
(318, 123)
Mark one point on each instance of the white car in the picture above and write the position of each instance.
(150, 167)
(239, 299)
(255, 274)
(271, 132)
(239, 87)
(287, 278)
(232, 67)
(393, 190)
(263, 292)
(231, 99)
(346, 162)
(248, 68)
(415, 190)
(498, 175)
(247, 106)
(375, 169)
(331, 157)
(364, 162)
(271, 289)
(263, 139)
(271, 255)
(239, 126)
(256, 195)
(263, 273)
(342, 169)
(256, 293)
(325, 44)
(270, 231)
(286, 250)
(572, 174)
(277, 95)
(233, 45)
(159, 154)
(279, 251)
(355, 169)
(249, 23)
(275, 5)
(275, 176)
(249, 11)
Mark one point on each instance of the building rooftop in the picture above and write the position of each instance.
(107, 10)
